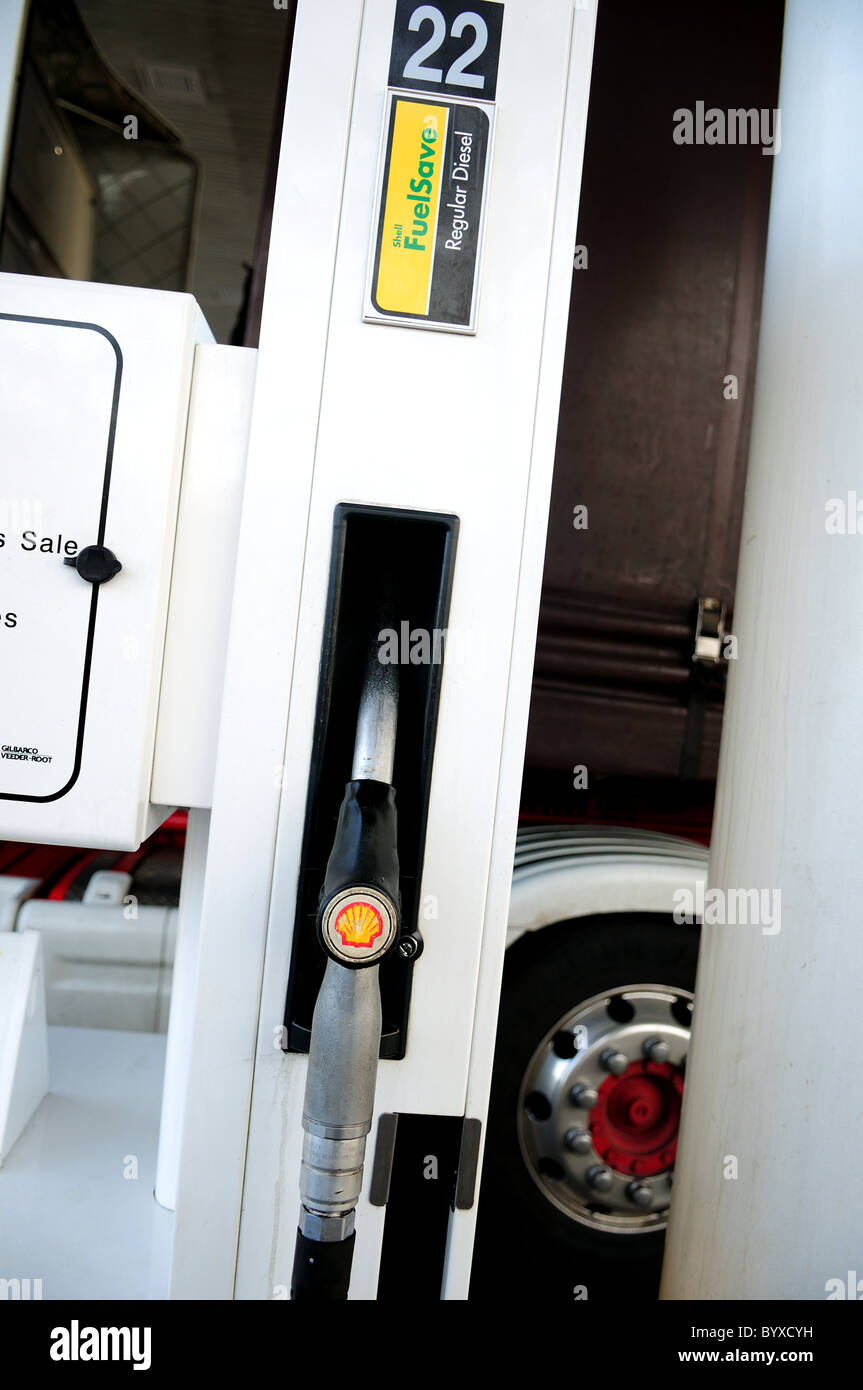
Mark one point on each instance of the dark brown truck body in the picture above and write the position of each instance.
(649, 442)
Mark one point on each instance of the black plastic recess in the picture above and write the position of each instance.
(422, 1191)
(409, 556)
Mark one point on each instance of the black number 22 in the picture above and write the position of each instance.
(457, 74)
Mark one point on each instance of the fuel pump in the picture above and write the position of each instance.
(358, 926)
(401, 448)
(402, 406)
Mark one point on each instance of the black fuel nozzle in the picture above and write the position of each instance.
(358, 915)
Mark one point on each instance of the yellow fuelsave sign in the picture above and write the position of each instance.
(413, 185)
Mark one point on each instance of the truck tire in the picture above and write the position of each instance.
(575, 1191)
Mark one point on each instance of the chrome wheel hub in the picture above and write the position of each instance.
(599, 1107)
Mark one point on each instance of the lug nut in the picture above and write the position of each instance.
(578, 1141)
(640, 1194)
(656, 1050)
(614, 1061)
(599, 1178)
(584, 1096)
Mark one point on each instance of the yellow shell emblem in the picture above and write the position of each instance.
(359, 924)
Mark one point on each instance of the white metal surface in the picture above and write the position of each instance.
(23, 1036)
(108, 887)
(487, 407)
(182, 1014)
(94, 396)
(208, 525)
(77, 1209)
(773, 1074)
(13, 892)
(105, 967)
(260, 655)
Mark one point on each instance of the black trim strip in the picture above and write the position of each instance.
(382, 1169)
(422, 1189)
(468, 1165)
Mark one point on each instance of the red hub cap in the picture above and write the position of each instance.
(634, 1122)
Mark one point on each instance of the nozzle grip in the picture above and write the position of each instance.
(363, 867)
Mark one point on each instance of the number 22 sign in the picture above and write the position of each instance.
(450, 47)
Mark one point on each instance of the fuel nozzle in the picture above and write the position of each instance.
(358, 926)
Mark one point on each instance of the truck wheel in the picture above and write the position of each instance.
(591, 1050)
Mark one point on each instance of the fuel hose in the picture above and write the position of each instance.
(358, 926)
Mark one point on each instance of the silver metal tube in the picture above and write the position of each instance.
(339, 1099)
(375, 746)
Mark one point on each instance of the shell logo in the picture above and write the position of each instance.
(359, 923)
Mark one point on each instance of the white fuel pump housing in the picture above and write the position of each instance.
(402, 415)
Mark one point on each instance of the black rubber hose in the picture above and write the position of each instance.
(322, 1269)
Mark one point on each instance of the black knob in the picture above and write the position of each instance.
(95, 563)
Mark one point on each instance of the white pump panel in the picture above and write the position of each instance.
(94, 390)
